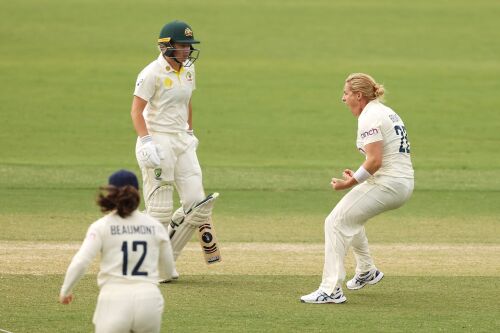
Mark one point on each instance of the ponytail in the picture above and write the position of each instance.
(366, 85)
(124, 199)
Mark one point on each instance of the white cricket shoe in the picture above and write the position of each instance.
(362, 279)
(175, 276)
(320, 297)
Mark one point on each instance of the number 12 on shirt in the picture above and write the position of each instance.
(135, 247)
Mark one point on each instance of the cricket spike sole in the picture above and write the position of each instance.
(208, 242)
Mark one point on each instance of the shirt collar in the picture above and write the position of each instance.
(166, 66)
(369, 105)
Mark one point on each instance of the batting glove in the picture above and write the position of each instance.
(149, 153)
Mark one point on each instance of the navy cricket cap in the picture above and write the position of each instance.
(123, 178)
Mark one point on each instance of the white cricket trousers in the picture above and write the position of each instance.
(128, 307)
(345, 225)
(179, 166)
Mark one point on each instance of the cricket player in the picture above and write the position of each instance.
(383, 182)
(135, 255)
(166, 145)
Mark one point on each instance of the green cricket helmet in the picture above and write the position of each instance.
(181, 33)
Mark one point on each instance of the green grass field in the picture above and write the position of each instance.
(273, 132)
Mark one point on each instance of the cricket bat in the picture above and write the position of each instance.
(209, 244)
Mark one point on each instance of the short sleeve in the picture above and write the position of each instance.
(370, 130)
(145, 85)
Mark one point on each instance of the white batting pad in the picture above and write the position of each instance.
(183, 225)
(180, 236)
(160, 204)
(201, 213)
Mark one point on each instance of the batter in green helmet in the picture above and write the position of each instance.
(176, 44)
(162, 115)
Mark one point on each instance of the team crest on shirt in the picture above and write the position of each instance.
(157, 173)
(189, 76)
(168, 82)
(188, 32)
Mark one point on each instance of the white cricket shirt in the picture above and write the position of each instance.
(168, 93)
(133, 249)
(377, 122)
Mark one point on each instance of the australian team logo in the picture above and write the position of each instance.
(188, 32)
(189, 76)
(157, 173)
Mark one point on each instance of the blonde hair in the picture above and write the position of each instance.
(366, 85)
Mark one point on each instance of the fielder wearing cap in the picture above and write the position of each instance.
(135, 256)
(162, 115)
(123, 178)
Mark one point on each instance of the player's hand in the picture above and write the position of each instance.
(347, 174)
(339, 184)
(149, 154)
(66, 299)
(336, 184)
